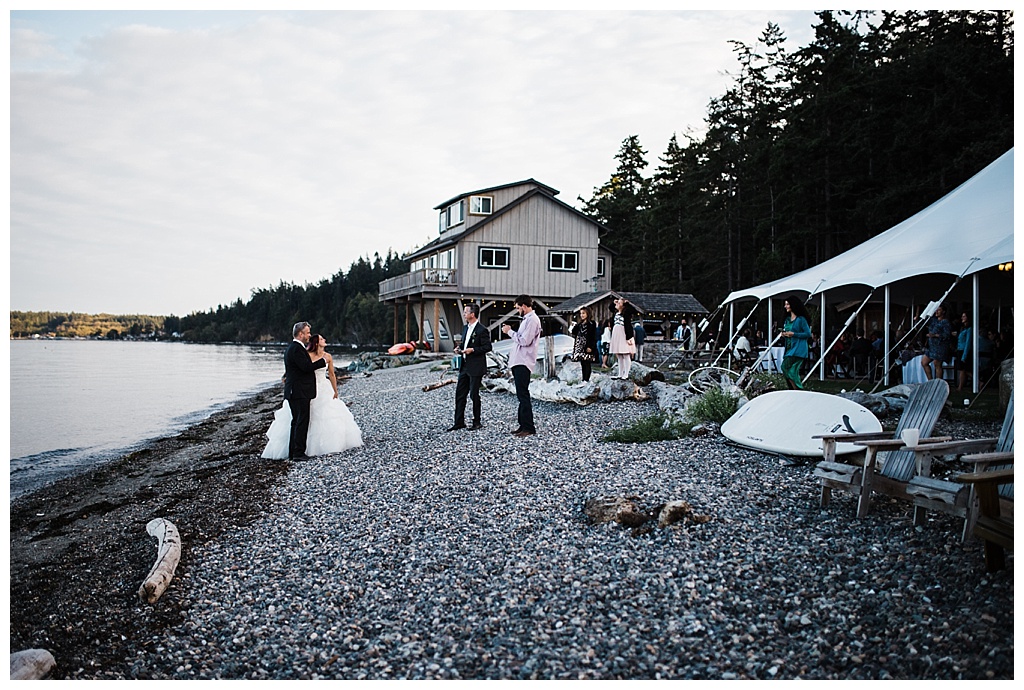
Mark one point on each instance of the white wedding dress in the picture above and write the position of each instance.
(332, 428)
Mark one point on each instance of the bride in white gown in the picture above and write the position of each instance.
(332, 428)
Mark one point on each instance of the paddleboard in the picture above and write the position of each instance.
(785, 422)
(563, 347)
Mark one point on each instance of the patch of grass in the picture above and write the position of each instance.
(657, 427)
(713, 406)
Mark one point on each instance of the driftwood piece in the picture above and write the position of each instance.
(31, 664)
(167, 557)
(642, 375)
(437, 384)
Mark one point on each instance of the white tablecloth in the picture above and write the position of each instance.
(913, 372)
(773, 360)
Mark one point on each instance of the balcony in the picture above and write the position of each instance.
(432, 280)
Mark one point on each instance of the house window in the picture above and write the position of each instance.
(600, 266)
(563, 261)
(481, 205)
(493, 257)
(453, 215)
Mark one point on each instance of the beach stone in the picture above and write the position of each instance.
(673, 512)
(611, 508)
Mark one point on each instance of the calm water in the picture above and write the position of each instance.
(78, 402)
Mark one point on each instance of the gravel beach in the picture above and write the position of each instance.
(428, 554)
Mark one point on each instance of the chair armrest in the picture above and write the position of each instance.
(988, 458)
(959, 447)
(897, 444)
(990, 477)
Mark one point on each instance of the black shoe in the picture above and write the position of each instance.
(457, 427)
(476, 425)
(300, 458)
(522, 433)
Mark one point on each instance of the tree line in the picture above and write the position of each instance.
(343, 309)
(25, 324)
(811, 152)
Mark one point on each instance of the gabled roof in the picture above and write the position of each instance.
(646, 302)
(551, 190)
(452, 238)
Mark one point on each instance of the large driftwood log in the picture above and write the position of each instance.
(643, 375)
(31, 664)
(167, 557)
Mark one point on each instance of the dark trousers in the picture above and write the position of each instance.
(585, 366)
(300, 426)
(521, 375)
(467, 386)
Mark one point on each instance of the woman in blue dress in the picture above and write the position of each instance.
(797, 331)
(937, 348)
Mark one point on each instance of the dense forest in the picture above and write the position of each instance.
(811, 152)
(808, 153)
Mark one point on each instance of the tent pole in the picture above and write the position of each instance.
(742, 324)
(975, 366)
(922, 322)
(732, 323)
(821, 340)
(886, 336)
(704, 324)
(842, 330)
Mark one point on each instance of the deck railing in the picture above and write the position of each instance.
(415, 281)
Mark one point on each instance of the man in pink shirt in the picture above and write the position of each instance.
(523, 359)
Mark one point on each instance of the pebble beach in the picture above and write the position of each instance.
(467, 554)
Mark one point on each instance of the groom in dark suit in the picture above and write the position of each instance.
(299, 388)
(476, 343)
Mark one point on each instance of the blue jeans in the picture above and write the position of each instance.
(521, 376)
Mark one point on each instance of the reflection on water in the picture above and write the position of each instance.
(78, 402)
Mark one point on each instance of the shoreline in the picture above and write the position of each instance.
(409, 526)
(79, 548)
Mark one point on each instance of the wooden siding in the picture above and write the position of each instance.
(502, 198)
(529, 231)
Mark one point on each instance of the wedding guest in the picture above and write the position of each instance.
(639, 335)
(623, 344)
(797, 332)
(584, 346)
(939, 336)
(606, 343)
(475, 344)
(523, 359)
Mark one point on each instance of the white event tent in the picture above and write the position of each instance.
(963, 233)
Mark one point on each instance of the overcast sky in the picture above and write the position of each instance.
(169, 162)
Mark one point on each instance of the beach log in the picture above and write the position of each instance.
(643, 375)
(31, 664)
(167, 557)
(438, 384)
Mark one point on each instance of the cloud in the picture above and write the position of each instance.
(163, 168)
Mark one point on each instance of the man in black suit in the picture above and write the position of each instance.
(476, 343)
(299, 388)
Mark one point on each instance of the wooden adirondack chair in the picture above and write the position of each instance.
(993, 527)
(888, 464)
(955, 497)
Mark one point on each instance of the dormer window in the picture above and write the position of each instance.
(481, 205)
(452, 216)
